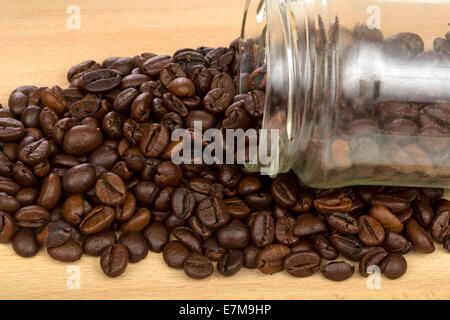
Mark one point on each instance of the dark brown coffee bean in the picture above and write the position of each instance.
(372, 258)
(206, 119)
(35, 152)
(11, 130)
(155, 140)
(82, 139)
(54, 100)
(199, 228)
(188, 238)
(344, 223)
(134, 80)
(388, 220)
(213, 212)
(146, 193)
(213, 251)
(230, 263)
(69, 251)
(141, 106)
(396, 243)
(23, 175)
(110, 189)
(197, 266)
(54, 234)
(423, 212)
(349, 246)
(79, 179)
(440, 226)
(258, 201)
(30, 117)
(182, 87)
(283, 194)
(94, 244)
(284, 231)
(98, 219)
(31, 217)
(154, 65)
(393, 266)
(254, 103)
(136, 244)
(25, 244)
(234, 235)
(138, 221)
(324, 248)
(114, 260)
(74, 209)
(157, 236)
(338, 271)
(372, 232)
(51, 192)
(331, 204)
(250, 256)
(249, 185)
(174, 254)
(302, 264)
(79, 69)
(7, 227)
(100, 80)
(8, 185)
(262, 228)
(8, 203)
(183, 203)
(168, 174)
(419, 237)
(17, 102)
(308, 224)
(270, 259)
(237, 208)
(393, 203)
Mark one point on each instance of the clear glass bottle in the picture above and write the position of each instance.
(359, 89)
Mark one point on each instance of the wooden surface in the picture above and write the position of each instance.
(37, 48)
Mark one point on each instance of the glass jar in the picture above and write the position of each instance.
(359, 89)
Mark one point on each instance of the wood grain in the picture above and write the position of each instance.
(38, 49)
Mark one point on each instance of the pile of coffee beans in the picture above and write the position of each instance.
(88, 170)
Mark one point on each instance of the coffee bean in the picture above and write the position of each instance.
(262, 228)
(423, 212)
(51, 192)
(188, 238)
(174, 254)
(283, 194)
(213, 212)
(234, 235)
(182, 87)
(110, 189)
(396, 243)
(114, 260)
(8, 203)
(249, 185)
(82, 139)
(250, 256)
(11, 130)
(7, 227)
(69, 251)
(338, 271)
(98, 219)
(206, 119)
(308, 224)
(8, 186)
(373, 258)
(393, 266)
(349, 246)
(157, 236)
(302, 264)
(25, 244)
(197, 266)
(168, 174)
(54, 234)
(31, 217)
(155, 140)
(393, 203)
(419, 237)
(270, 259)
(17, 102)
(94, 244)
(74, 209)
(386, 218)
(258, 201)
(230, 263)
(284, 231)
(237, 208)
(100, 80)
(212, 249)
(440, 226)
(324, 248)
(344, 223)
(136, 244)
(138, 221)
(332, 204)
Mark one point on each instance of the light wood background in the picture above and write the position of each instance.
(37, 48)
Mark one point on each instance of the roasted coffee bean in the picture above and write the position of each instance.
(98, 219)
(164, 199)
(126, 210)
(35, 152)
(168, 174)
(188, 238)
(17, 102)
(8, 204)
(155, 140)
(154, 65)
(324, 248)
(212, 249)
(183, 203)
(25, 244)
(174, 254)
(338, 271)
(31, 217)
(54, 234)
(124, 99)
(307, 224)
(250, 256)
(262, 228)
(100, 80)
(110, 189)
(114, 260)
(51, 192)
(213, 212)
(199, 228)
(372, 232)
(171, 72)
(94, 244)
(136, 244)
(284, 231)
(349, 246)
(270, 259)
(69, 251)
(23, 175)
(393, 266)
(396, 243)
(79, 69)
(157, 236)
(138, 221)
(344, 223)
(234, 235)
(11, 130)
(230, 176)
(30, 117)
(206, 119)
(237, 208)
(389, 221)
(7, 227)
(302, 264)
(27, 196)
(82, 139)
(141, 107)
(104, 156)
(419, 237)
(230, 263)
(440, 226)
(254, 103)
(174, 104)
(8, 186)
(283, 194)
(74, 209)
(197, 266)
(182, 87)
(423, 212)
(393, 203)
(373, 258)
(258, 201)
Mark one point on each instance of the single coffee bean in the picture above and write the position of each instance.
(258, 201)
(114, 260)
(182, 87)
(82, 139)
(349, 246)
(249, 185)
(51, 192)
(8, 186)
(74, 209)
(11, 129)
(164, 199)
(234, 235)
(188, 238)
(69, 251)
(372, 258)
(270, 259)
(393, 203)
(100, 80)
(155, 140)
(157, 236)
(94, 244)
(183, 203)
(98, 219)
(338, 271)
(324, 248)
(344, 223)
(423, 212)
(254, 103)
(8, 203)
(419, 237)
(104, 156)
(7, 227)
(262, 228)
(174, 254)
(393, 266)
(138, 221)
(213, 212)
(372, 232)
(250, 256)
(31, 217)
(302, 264)
(207, 119)
(283, 194)
(197, 266)
(230, 263)
(17, 102)
(126, 210)
(168, 174)
(332, 204)
(54, 234)
(284, 231)
(440, 226)
(110, 189)
(308, 224)
(396, 243)
(212, 249)
(389, 221)
(304, 244)
(25, 244)
(136, 244)
(237, 208)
